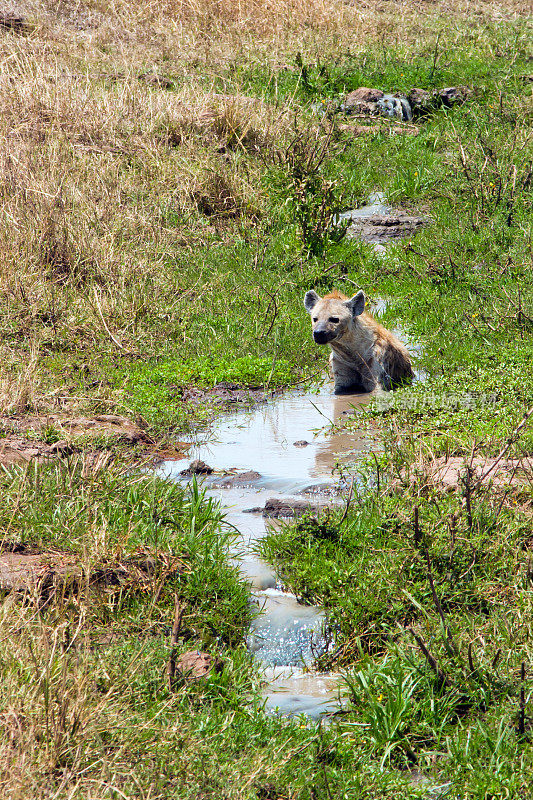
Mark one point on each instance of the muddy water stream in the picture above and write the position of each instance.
(285, 449)
(289, 449)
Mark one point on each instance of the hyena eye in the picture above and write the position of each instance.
(333, 319)
(315, 319)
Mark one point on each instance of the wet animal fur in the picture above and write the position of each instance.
(364, 354)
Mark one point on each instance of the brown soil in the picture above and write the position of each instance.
(16, 450)
(23, 439)
(449, 473)
(29, 570)
(195, 664)
(22, 436)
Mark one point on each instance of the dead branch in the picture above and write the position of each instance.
(432, 661)
(179, 611)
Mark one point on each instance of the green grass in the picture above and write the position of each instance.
(472, 260)
(463, 587)
(110, 517)
(227, 305)
(462, 292)
(85, 695)
(157, 387)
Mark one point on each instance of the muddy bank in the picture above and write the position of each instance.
(47, 437)
(454, 472)
(44, 437)
(30, 570)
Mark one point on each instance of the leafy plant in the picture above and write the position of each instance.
(397, 706)
(313, 198)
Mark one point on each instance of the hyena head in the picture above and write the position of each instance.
(333, 314)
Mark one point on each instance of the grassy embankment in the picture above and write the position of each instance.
(148, 243)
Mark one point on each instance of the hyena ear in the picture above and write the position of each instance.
(356, 304)
(310, 300)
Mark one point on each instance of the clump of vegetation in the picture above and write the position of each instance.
(313, 199)
(106, 517)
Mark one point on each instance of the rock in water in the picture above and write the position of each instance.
(248, 478)
(286, 508)
(197, 467)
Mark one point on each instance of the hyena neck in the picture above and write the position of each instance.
(358, 338)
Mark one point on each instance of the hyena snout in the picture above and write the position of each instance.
(322, 334)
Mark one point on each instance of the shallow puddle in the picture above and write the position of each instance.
(288, 440)
(292, 691)
(293, 448)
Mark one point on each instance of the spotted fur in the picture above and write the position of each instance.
(364, 353)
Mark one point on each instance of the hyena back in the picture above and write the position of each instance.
(364, 354)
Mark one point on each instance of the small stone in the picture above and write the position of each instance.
(368, 109)
(422, 102)
(329, 489)
(360, 130)
(301, 443)
(239, 479)
(286, 508)
(362, 95)
(419, 97)
(454, 95)
(197, 467)
(195, 664)
(62, 448)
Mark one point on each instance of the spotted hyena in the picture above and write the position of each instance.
(364, 354)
